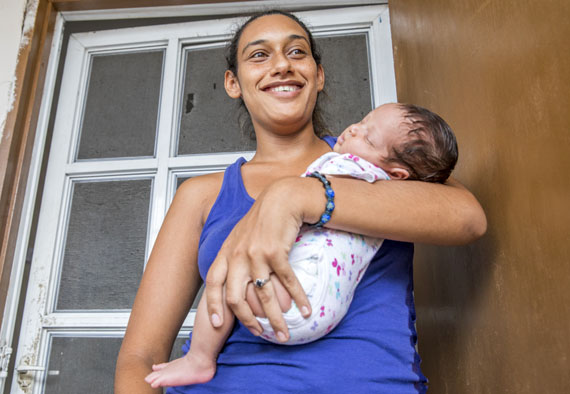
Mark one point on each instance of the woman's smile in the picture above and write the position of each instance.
(284, 88)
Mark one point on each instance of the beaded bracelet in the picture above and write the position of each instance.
(329, 194)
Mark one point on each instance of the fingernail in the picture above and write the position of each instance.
(255, 332)
(216, 322)
(305, 311)
(281, 337)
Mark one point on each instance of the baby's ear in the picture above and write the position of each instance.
(397, 173)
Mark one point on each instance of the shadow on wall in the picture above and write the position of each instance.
(452, 287)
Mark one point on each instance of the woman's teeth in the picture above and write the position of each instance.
(288, 88)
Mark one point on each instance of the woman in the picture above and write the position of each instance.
(274, 69)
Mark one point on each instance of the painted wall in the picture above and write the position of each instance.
(11, 22)
(493, 316)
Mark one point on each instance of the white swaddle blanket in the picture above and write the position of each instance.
(328, 263)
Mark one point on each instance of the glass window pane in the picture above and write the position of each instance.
(121, 110)
(347, 80)
(87, 365)
(208, 117)
(180, 180)
(105, 247)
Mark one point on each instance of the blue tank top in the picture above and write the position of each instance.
(372, 350)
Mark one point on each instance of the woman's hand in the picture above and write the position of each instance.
(258, 246)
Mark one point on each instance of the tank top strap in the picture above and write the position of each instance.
(232, 200)
(233, 189)
(329, 139)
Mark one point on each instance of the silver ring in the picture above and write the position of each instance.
(259, 283)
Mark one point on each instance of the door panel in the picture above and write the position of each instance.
(121, 109)
(105, 246)
(140, 110)
(207, 114)
(348, 89)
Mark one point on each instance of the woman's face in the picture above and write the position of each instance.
(278, 78)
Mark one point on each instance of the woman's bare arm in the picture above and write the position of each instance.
(169, 284)
(411, 211)
(401, 210)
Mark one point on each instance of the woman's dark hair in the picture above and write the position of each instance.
(429, 151)
(244, 118)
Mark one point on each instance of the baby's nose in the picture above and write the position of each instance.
(353, 130)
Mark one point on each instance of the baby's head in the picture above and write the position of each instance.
(406, 141)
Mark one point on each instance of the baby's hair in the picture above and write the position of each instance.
(429, 151)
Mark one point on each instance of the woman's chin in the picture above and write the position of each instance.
(287, 123)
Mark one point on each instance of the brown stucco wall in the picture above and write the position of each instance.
(494, 316)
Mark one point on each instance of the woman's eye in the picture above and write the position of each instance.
(257, 55)
(297, 52)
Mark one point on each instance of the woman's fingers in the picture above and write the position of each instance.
(215, 290)
(270, 304)
(236, 287)
(244, 314)
(265, 291)
(291, 283)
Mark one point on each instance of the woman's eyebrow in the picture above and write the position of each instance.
(256, 42)
(298, 37)
(263, 41)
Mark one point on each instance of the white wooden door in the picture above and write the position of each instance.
(140, 110)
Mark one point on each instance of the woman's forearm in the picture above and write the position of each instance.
(130, 373)
(400, 210)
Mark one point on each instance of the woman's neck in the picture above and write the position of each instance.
(297, 147)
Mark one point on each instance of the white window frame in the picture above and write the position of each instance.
(372, 20)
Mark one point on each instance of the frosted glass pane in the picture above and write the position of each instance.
(347, 75)
(121, 111)
(87, 365)
(105, 247)
(208, 120)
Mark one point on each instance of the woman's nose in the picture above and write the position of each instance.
(281, 64)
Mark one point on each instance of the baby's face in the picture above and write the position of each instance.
(373, 137)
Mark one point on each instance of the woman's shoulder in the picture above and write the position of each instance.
(199, 193)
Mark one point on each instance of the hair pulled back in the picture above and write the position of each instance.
(244, 118)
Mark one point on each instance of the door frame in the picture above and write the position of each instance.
(47, 37)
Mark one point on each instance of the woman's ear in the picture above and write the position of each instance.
(397, 173)
(231, 84)
(320, 77)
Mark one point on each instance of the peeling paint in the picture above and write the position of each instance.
(25, 379)
(29, 12)
(29, 21)
(9, 105)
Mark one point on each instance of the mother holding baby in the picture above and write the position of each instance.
(234, 227)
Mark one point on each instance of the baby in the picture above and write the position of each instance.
(394, 141)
